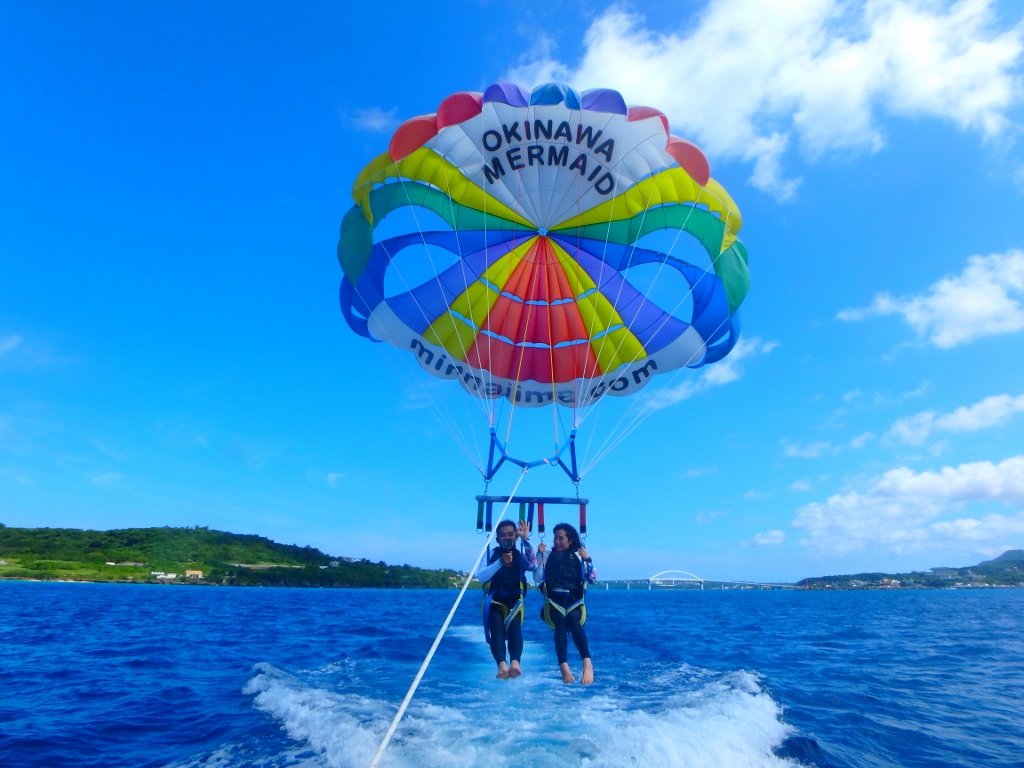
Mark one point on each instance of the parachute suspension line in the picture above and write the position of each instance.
(644, 413)
(443, 415)
(679, 231)
(597, 407)
(515, 229)
(484, 406)
(444, 628)
(640, 417)
(410, 377)
(551, 361)
(430, 258)
(648, 404)
(600, 275)
(522, 333)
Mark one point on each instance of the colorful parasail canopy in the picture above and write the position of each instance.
(539, 199)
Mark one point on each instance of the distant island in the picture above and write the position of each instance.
(196, 556)
(199, 556)
(1007, 570)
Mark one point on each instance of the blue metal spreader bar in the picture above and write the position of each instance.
(536, 499)
(527, 504)
(556, 460)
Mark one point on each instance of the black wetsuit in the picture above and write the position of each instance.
(506, 590)
(564, 580)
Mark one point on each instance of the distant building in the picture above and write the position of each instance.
(193, 574)
(334, 563)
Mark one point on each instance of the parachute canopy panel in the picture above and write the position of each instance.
(540, 197)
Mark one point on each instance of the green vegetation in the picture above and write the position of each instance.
(165, 554)
(1007, 570)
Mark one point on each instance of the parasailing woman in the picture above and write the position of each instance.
(564, 573)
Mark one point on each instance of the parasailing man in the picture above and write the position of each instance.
(504, 580)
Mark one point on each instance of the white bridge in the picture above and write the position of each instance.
(685, 580)
(674, 579)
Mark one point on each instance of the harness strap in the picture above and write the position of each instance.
(565, 611)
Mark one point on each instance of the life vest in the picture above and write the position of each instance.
(563, 571)
(508, 583)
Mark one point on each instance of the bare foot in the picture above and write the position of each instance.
(514, 670)
(566, 673)
(588, 672)
(503, 673)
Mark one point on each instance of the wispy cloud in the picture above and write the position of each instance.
(110, 450)
(728, 84)
(703, 517)
(16, 476)
(861, 440)
(990, 412)
(8, 343)
(800, 485)
(958, 309)
(809, 450)
(374, 119)
(334, 478)
(769, 539)
(899, 510)
(698, 472)
(106, 478)
(722, 372)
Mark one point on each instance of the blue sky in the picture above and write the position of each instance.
(172, 353)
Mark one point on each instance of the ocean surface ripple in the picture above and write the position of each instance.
(111, 675)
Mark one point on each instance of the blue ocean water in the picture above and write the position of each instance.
(135, 675)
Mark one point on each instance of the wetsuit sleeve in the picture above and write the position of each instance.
(487, 572)
(589, 571)
(529, 558)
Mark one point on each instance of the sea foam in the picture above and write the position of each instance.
(690, 717)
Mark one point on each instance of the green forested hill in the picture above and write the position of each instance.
(152, 554)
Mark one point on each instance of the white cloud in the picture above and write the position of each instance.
(810, 450)
(755, 495)
(17, 477)
(853, 394)
(704, 517)
(900, 509)
(861, 440)
(8, 343)
(800, 485)
(960, 308)
(749, 76)
(990, 412)
(698, 472)
(334, 478)
(723, 372)
(106, 478)
(769, 539)
(374, 119)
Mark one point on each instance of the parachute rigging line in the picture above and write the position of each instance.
(642, 416)
(445, 418)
